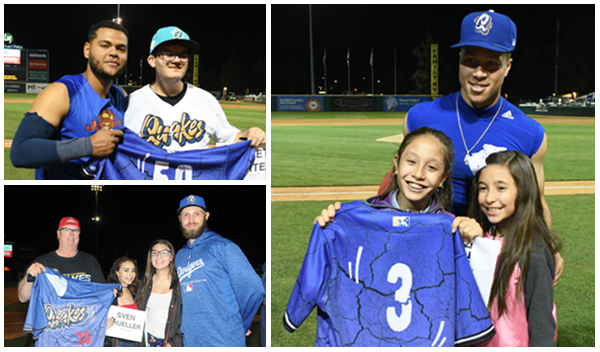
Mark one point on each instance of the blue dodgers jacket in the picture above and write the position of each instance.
(221, 292)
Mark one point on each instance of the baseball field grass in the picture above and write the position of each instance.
(311, 155)
(240, 115)
(350, 155)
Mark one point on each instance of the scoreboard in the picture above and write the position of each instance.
(24, 65)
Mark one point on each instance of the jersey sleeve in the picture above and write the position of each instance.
(224, 131)
(312, 281)
(473, 322)
(245, 283)
(538, 139)
(410, 119)
(36, 320)
(97, 274)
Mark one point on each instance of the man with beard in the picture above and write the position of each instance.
(220, 289)
(71, 121)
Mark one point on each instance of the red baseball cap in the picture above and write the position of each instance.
(68, 221)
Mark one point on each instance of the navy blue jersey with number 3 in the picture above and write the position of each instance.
(388, 278)
(67, 312)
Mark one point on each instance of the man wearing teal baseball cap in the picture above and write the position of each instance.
(220, 290)
(176, 115)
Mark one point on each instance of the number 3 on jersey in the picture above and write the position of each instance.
(400, 322)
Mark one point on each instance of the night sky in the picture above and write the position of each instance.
(132, 217)
(403, 27)
(62, 29)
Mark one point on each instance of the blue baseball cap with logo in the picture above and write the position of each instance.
(173, 35)
(191, 200)
(489, 30)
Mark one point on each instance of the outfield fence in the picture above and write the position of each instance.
(391, 103)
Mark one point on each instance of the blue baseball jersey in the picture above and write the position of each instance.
(67, 312)
(388, 278)
(88, 113)
(511, 130)
(137, 159)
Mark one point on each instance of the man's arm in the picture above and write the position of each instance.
(538, 159)
(246, 284)
(52, 104)
(33, 146)
(255, 134)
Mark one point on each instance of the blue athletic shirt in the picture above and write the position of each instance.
(88, 113)
(511, 130)
(137, 159)
(381, 277)
(220, 291)
(64, 312)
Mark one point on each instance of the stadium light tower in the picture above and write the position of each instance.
(118, 19)
(96, 218)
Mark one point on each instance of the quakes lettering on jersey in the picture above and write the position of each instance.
(136, 159)
(378, 281)
(67, 312)
(182, 132)
(65, 317)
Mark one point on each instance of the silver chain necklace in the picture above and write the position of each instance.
(463, 136)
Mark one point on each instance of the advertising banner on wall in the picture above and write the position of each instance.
(299, 103)
(14, 65)
(37, 65)
(402, 103)
(351, 103)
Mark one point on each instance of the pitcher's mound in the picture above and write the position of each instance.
(392, 139)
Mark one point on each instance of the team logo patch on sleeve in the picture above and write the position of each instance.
(401, 221)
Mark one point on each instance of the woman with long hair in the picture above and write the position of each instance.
(159, 295)
(124, 271)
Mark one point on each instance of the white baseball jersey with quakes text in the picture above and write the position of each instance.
(187, 125)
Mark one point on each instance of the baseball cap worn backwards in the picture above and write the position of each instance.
(191, 200)
(68, 221)
(489, 30)
(173, 35)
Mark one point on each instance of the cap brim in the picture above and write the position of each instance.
(485, 45)
(191, 45)
(189, 205)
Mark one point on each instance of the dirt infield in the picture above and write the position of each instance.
(287, 194)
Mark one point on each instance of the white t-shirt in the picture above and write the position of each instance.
(187, 125)
(157, 313)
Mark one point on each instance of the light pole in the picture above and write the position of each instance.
(96, 218)
(119, 20)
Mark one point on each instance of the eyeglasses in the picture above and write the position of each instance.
(71, 231)
(169, 56)
(163, 254)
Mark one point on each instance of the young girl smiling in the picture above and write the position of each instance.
(389, 271)
(507, 203)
